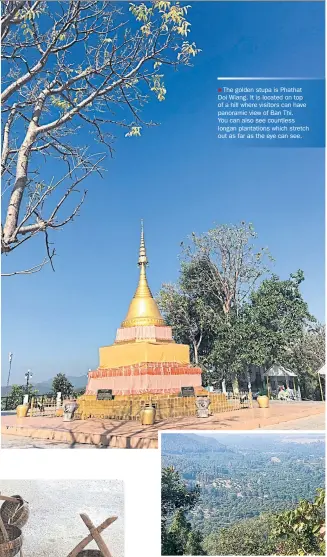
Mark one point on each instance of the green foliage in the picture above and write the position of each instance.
(158, 86)
(277, 316)
(188, 315)
(218, 271)
(172, 16)
(174, 494)
(307, 356)
(244, 477)
(232, 314)
(177, 535)
(301, 531)
(78, 392)
(17, 393)
(265, 328)
(135, 131)
(247, 537)
(61, 384)
(194, 544)
(168, 19)
(181, 539)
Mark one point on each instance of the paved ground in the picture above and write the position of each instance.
(55, 527)
(131, 434)
(17, 442)
(313, 422)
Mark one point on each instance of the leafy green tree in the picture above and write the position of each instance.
(247, 537)
(189, 316)
(78, 392)
(307, 356)
(229, 356)
(177, 536)
(266, 329)
(219, 270)
(277, 316)
(194, 544)
(231, 264)
(16, 395)
(181, 538)
(232, 320)
(174, 493)
(61, 384)
(301, 531)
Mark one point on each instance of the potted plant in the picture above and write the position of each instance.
(263, 399)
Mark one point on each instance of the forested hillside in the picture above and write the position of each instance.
(298, 531)
(246, 476)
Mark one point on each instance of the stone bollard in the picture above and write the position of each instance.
(202, 405)
(69, 411)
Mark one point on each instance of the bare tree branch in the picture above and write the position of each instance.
(72, 69)
(32, 270)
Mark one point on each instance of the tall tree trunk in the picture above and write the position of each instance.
(235, 385)
(195, 350)
(18, 190)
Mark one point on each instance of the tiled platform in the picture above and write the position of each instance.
(131, 434)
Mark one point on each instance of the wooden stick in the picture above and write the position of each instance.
(12, 499)
(89, 538)
(96, 535)
(4, 531)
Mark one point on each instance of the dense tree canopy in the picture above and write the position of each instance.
(234, 313)
(219, 269)
(177, 535)
(307, 356)
(299, 531)
(174, 494)
(248, 496)
(277, 315)
(61, 384)
(247, 537)
(239, 480)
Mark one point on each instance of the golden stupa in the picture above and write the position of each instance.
(144, 356)
(143, 309)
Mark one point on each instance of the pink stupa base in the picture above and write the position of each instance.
(156, 378)
(143, 333)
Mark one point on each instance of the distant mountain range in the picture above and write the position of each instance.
(177, 443)
(45, 387)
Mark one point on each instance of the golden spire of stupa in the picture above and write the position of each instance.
(143, 309)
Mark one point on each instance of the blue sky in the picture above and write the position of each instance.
(179, 179)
